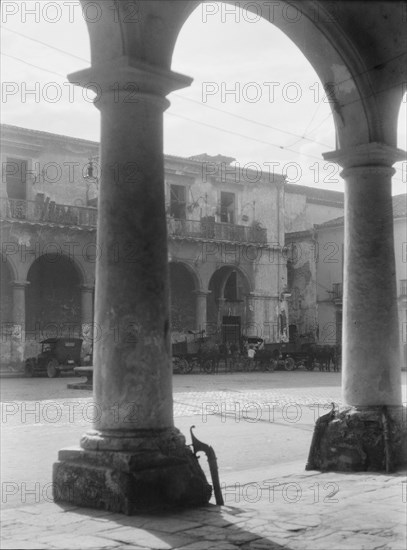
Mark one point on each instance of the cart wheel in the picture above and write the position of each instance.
(52, 368)
(183, 366)
(289, 363)
(208, 366)
(28, 370)
(271, 365)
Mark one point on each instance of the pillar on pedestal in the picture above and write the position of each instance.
(134, 460)
(18, 321)
(368, 433)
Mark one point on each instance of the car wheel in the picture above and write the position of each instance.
(183, 366)
(52, 368)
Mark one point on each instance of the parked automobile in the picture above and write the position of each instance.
(57, 355)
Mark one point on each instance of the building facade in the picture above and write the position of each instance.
(315, 277)
(226, 227)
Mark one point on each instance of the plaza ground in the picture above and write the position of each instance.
(260, 425)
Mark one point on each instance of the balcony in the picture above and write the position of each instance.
(336, 293)
(46, 211)
(210, 230)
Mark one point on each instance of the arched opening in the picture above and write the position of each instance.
(53, 298)
(227, 309)
(182, 298)
(245, 104)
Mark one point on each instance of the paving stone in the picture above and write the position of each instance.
(170, 524)
(85, 542)
(19, 544)
(154, 541)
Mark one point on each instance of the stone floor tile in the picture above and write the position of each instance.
(19, 544)
(83, 542)
(151, 540)
(47, 521)
(169, 524)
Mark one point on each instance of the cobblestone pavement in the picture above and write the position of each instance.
(274, 505)
(294, 510)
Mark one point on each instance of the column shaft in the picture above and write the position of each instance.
(201, 309)
(132, 300)
(371, 358)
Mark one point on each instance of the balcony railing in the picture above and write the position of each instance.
(211, 230)
(48, 212)
(403, 287)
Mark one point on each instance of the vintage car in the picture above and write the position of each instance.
(57, 355)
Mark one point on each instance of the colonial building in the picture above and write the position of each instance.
(225, 229)
(315, 277)
(143, 464)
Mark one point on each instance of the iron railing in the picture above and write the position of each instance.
(47, 212)
(205, 229)
(50, 212)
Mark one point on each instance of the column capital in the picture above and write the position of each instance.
(130, 78)
(202, 292)
(20, 284)
(366, 155)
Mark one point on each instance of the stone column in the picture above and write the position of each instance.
(86, 329)
(18, 321)
(365, 434)
(87, 304)
(201, 306)
(134, 460)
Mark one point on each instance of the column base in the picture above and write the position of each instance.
(163, 473)
(360, 439)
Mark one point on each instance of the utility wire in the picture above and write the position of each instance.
(300, 137)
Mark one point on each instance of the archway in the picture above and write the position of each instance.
(53, 297)
(227, 313)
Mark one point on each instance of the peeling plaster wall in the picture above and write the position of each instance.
(302, 284)
(302, 213)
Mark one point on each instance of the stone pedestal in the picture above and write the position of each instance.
(360, 439)
(134, 460)
(371, 370)
(134, 473)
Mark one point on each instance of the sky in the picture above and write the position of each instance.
(254, 98)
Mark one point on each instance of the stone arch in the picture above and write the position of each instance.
(184, 283)
(339, 67)
(53, 297)
(228, 288)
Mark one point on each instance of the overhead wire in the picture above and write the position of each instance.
(302, 137)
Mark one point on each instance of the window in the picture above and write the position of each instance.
(16, 174)
(178, 202)
(227, 207)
